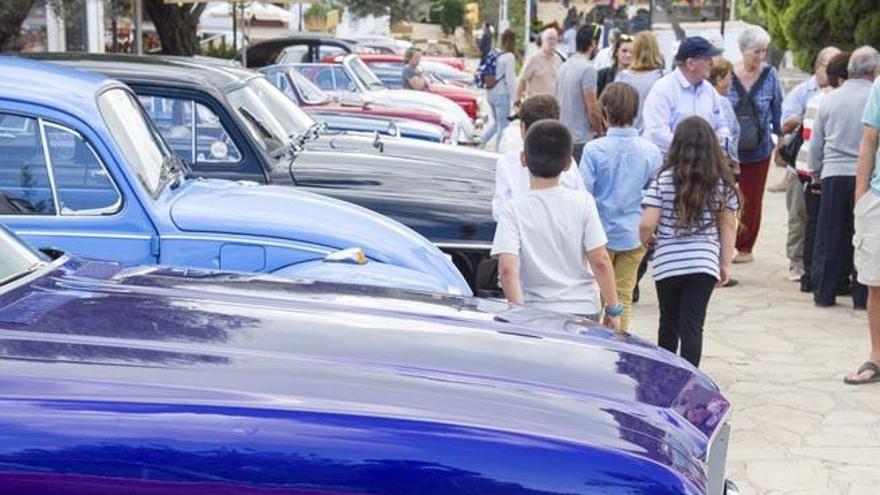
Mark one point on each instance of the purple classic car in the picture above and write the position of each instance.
(153, 381)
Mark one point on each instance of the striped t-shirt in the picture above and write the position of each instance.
(684, 251)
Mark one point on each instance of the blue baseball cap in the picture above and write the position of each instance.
(696, 46)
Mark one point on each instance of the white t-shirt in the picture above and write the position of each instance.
(511, 138)
(550, 231)
(512, 180)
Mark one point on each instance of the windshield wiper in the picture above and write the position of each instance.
(261, 127)
(27, 271)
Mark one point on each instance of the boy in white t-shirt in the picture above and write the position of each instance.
(549, 241)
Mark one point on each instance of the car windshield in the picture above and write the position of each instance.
(16, 259)
(143, 147)
(311, 94)
(365, 75)
(269, 115)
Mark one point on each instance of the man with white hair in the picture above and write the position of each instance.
(794, 109)
(867, 232)
(538, 76)
(834, 152)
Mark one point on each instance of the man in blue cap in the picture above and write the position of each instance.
(685, 92)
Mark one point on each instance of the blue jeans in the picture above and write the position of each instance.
(500, 105)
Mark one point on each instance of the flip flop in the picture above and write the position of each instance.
(867, 366)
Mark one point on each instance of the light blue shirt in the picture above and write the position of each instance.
(673, 99)
(872, 118)
(616, 169)
(795, 102)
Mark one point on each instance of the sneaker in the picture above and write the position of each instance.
(795, 273)
(743, 258)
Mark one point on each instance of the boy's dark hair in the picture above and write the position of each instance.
(619, 104)
(538, 107)
(548, 148)
(586, 35)
(838, 69)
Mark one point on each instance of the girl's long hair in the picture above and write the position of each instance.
(702, 177)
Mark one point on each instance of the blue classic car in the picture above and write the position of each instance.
(149, 381)
(82, 168)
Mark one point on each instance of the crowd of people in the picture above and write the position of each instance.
(620, 164)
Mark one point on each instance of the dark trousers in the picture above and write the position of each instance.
(683, 302)
(812, 196)
(751, 184)
(832, 262)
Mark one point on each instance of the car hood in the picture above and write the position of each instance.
(455, 92)
(153, 334)
(425, 101)
(285, 213)
(443, 192)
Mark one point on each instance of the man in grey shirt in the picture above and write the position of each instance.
(576, 91)
(412, 76)
(834, 150)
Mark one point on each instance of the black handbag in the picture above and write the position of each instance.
(789, 151)
(752, 133)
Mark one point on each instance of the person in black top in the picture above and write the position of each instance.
(621, 55)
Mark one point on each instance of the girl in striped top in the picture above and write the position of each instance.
(690, 217)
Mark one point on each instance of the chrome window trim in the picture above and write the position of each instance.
(234, 240)
(50, 170)
(56, 233)
(107, 211)
(193, 130)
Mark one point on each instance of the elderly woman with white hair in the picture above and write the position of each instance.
(756, 97)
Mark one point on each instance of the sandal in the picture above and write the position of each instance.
(867, 366)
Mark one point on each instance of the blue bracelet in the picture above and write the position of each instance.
(614, 311)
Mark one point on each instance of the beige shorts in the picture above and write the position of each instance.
(867, 239)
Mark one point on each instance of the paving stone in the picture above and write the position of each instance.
(787, 476)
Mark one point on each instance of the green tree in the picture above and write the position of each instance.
(448, 13)
(846, 24)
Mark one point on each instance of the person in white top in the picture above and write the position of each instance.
(511, 175)
(549, 241)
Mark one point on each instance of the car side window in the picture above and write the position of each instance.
(82, 184)
(343, 82)
(25, 186)
(192, 130)
(325, 51)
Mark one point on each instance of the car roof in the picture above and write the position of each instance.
(61, 88)
(180, 71)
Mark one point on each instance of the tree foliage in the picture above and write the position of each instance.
(448, 13)
(807, 26)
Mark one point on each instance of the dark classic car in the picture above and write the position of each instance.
(83, 168)
(314, 47)
(149, 381)
(442, 192)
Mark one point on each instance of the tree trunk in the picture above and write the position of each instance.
(176, 26)
(12, 16)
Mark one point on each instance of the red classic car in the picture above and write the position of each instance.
(312, 99)
(388, 69)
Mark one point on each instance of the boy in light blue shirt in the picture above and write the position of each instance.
(616, 169)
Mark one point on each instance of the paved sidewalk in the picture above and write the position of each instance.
(796, 427)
